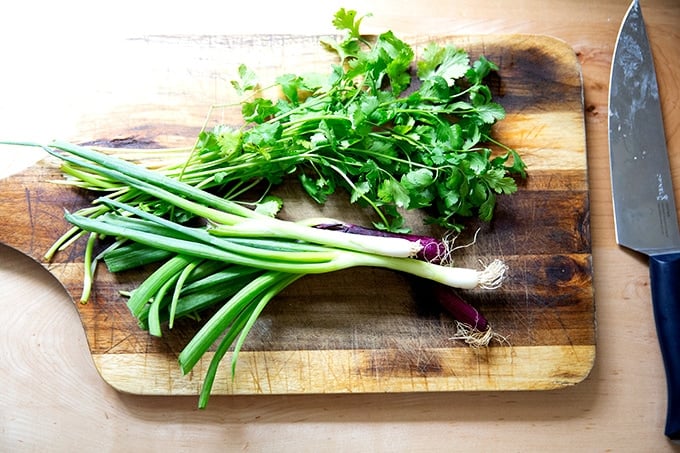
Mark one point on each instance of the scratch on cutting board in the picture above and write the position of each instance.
(29, 209)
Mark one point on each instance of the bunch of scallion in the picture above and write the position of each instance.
(252, 256)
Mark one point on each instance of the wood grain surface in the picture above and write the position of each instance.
(65, 64)
(357, 330)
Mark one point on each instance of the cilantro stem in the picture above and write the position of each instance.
(366, 199)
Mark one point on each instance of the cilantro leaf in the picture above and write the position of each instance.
(399, 56)
(247, 80)
(258, 110)
(418, 183)
(360, 189)
(490, 113)
(228, 139)
(486, 208)
(446, 62)
(319, 189)
(290, 86)
(390, 191)
(262, 138)
(269, 205)
(479, 70)
(347, 20)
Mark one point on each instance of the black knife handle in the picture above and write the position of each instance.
(665, 281)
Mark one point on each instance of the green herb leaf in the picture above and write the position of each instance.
(269, 206)
(448, 62)
(247, 80)
(346, 20)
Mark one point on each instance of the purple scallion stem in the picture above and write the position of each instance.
(458, 308)
(433, 250)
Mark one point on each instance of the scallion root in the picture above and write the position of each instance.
(493, 275)
(476, 338)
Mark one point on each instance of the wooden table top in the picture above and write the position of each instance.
(52, 395)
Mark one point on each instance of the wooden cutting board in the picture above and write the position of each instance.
(360, 330)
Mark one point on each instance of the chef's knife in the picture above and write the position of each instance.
(644, 206)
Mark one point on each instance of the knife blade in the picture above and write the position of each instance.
(645, 216)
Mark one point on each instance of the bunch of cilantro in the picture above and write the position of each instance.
(393, 132)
